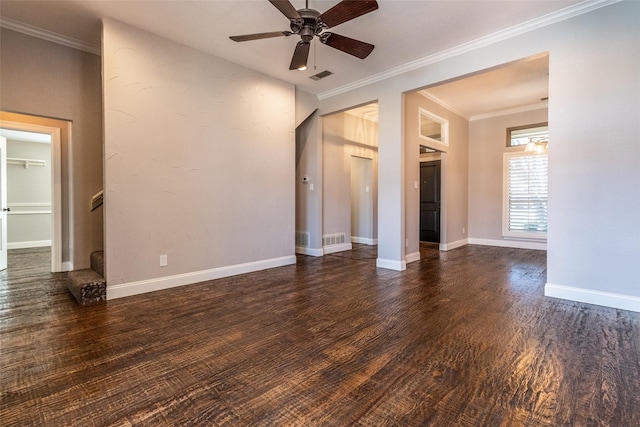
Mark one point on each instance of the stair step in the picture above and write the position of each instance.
(97, 262)
(87, 286)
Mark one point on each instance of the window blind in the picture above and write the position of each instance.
(526, 198)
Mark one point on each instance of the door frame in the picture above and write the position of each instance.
(3, 203)
(56, 185)
(439, 163)
(368, 178)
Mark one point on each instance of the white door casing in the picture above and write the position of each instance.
(56, 187)
(3, 203)
(362, 200)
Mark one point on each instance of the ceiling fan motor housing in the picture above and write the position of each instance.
(308, 26)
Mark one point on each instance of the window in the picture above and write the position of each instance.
(522, 135)
(432, 128)
(525, 195)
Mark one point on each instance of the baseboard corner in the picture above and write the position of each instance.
(412, 257)
(391, 264)
(589, 296)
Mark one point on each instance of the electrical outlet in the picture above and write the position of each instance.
(163, 260)
(464, 230)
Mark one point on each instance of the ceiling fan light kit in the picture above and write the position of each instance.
(309, 23)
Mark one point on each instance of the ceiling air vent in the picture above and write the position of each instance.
(321, 75)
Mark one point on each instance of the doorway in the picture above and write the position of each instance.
(361, 200)
(22, 124)
(26, 192)
(430, 201)
(349, 179)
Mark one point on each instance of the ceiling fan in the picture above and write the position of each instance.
(308, 23)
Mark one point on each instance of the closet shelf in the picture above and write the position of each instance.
(27, 163)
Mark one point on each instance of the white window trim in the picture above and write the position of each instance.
(506, 234)
(444, 126)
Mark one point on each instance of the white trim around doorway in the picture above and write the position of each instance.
(56, 186)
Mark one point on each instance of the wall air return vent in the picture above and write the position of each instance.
(333, 239)
(303, 238)
(321, 75)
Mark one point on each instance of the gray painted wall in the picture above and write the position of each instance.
(199, 164)
(308, 164)
(29, 191)
(309, 194)
(336, 212)
(594, 105)
(49, 80)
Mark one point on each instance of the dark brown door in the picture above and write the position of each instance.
(430, 201)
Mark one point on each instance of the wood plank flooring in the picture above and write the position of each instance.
(461, 338)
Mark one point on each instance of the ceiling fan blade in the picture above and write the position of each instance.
(347, 10)
(346, 44)
(258, 36)
(300, 55)
(286, 8)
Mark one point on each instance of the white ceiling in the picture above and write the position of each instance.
(521, 85)
(403, 31)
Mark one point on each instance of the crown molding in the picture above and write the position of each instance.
(443, 104)
(516, 30)
(516, 110)
(40, 33)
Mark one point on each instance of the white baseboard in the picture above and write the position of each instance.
(364, 240)
(518, 244)
(606, 299)
(391, 264)
(31, 244)
(309, 251)
(337, 248)
(453, 245)
(409, 258)
(143, 286)
(67, 266)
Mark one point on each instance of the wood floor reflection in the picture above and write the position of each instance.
(461, 338)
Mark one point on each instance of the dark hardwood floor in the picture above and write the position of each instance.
(461, 338)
